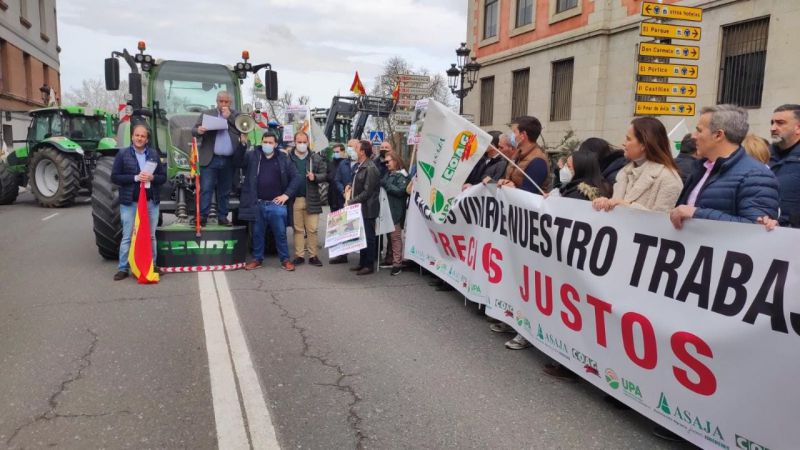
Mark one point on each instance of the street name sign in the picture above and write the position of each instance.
(660, 30)
(664, 109)
(661, 11)
(666, 89)
(669, 51)
(667, 70)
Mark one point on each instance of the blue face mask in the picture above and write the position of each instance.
(513, 140)
(268, 149)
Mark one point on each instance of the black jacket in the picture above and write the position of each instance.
(686, 164)
(205, 145)
(251, 165)
(367, 189)
(126, 167)
(612, 164)
(494, 168)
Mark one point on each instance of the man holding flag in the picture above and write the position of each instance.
(138, 172)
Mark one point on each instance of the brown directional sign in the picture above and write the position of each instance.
(667, 70)
(661, 30)
(666, 89)
(664, 109)
(669, 51)
(661, 11)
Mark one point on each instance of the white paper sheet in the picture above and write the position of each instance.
(214, 123)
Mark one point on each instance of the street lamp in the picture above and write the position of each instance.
(461, 77)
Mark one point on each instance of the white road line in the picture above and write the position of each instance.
(49, 217)
(259, 422)
(231, 433)
(228, 361)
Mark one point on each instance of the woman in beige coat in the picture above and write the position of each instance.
(651, 180)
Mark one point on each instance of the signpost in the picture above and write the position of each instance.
(664, 109)
(661, 11)
(669, 51)
(654, 68)
(666, 89)
(659, 30)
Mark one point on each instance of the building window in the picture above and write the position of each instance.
(561, 93)
(487, 101)
(563, 5)
(23, 13)
(43, 21)
(26, 64)
(490, 18)
(524, 13)
(519, 93)
(744, 57)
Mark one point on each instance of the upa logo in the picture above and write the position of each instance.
(612, 379)
(694, 423)
(464, 146)
(437, 201)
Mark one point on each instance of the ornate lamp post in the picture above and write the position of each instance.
(462, 75)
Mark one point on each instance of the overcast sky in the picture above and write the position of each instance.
(315, 45)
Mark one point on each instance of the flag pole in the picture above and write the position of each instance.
(518, 167)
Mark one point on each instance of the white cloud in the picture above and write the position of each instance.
(315, 46)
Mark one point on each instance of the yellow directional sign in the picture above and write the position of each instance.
(661, 30)
(672, 12)
(666, 89)
(667, 70)
(669, 51)
(664, 109)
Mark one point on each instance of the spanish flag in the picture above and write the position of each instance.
(357, 88)
(396, 92)
(140, 256)
(193, 158)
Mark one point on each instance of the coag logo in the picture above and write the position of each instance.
(746, 444)
(464, 146)
(612, 379)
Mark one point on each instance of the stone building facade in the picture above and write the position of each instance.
(572, 63)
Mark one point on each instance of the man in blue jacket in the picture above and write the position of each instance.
(131, 168)
(729, 185)
(785, 161)
(270, 181)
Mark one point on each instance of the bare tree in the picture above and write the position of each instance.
(93, 94)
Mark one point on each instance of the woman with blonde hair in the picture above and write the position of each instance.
(756, 147)
(650, 181)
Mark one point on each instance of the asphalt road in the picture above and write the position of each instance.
(343, 361)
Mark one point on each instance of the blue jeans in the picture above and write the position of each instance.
(274, 216)
(216, 176)
(127, 214)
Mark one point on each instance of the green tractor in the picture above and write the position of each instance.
(169, 97)
(62, 149)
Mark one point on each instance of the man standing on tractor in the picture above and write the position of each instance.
(127, 172)
(216, 152)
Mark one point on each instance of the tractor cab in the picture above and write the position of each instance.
(71, 122)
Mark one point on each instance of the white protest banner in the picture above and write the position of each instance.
(450, 148)
(343, 225)
(697, 329)
(384, 223)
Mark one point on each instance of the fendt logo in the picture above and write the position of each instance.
(464, 146)
(207, 247)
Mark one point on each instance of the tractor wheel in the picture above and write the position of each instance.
(105, 210)
(8, 186)
(54, 178)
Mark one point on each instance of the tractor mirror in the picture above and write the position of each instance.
(112, 74)
(271, 84)
(135, 86)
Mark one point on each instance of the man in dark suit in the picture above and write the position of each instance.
(217, 150)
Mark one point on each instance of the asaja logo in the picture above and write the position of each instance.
(694, 423)
(464, 146)
(612, 379)
(552, 341)
(427, 169)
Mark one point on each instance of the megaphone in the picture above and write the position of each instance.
(244, 123)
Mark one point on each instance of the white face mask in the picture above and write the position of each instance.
(268, 149)
(565, 175)
(301, 148)
(350, 152)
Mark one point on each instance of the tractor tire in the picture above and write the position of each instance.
(106, 222)
(8, 186)
(54, 178)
